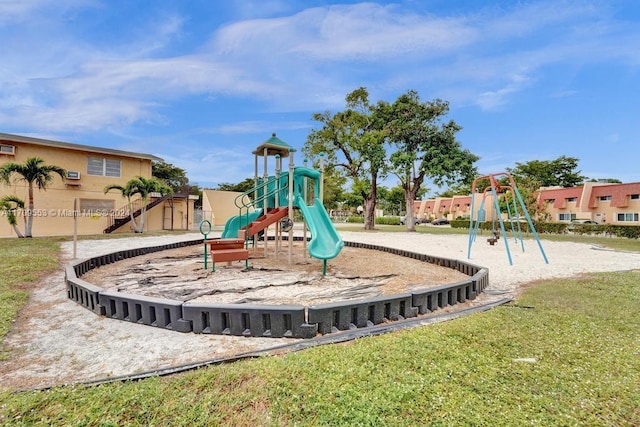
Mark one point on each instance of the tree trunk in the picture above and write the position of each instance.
(134, 225)
(29, 224)
(409, 219)
(370, 203)
(369, 213)
(17, 230)
(143, 213)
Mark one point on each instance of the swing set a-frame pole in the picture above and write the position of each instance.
(531, 227)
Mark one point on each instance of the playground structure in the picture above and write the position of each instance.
(274, 198)
(271, 202)
(513, 199)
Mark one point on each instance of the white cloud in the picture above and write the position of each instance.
(364, 31)
(498, 98)
(17, 12)
(306, 61)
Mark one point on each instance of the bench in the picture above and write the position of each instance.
(221, 244)
(227, 250)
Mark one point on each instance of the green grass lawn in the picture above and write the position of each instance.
(565, 353)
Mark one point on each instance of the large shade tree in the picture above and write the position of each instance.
(35, 174)
(354, 142)
(176, 178)
(142, 188)
(560, 172)
(424, 145)
(242, 187)
(532, 175)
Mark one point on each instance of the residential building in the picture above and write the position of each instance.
(600, 202)
(88, 171)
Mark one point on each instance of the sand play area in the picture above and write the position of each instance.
(56, 341)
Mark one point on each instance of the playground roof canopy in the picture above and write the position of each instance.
(274, 145)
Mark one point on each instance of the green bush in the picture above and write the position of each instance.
(541, 227)
(551, 227)
(628, 231)
(383, 220)
(388, 220)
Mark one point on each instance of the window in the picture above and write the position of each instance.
(628, 217)
(7, 149)
(566, 217)
(103, 167)
(635, 197)
(604, 198)
(572, 199)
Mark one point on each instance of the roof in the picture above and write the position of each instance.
(560, 195)
(6, 137)
(274, 145)
(619, 193)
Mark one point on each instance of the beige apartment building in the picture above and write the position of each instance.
(88, 171)
(218, 205)
(600, 202)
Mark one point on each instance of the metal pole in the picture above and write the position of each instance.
(504, 233)
(471, 226)
(304, 222)
(530, 222)
(278, 237)
(290, 205)
(75, 226)
(321, 196)
(265, 200)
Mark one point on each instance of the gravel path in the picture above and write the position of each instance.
(61, 342)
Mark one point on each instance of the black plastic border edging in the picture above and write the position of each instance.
(293, 321)
(301, 345)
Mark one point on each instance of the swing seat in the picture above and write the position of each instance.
(492, 240)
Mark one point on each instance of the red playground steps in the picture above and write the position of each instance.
(263, 222)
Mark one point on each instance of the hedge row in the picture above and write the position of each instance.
(628, 231)
(383, 220)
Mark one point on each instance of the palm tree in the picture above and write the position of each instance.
(33, 171)
(8, 206)
(142, 187)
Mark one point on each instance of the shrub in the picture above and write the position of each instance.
(356, 219)
(388, 220)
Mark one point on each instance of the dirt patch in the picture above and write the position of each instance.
(357, 273)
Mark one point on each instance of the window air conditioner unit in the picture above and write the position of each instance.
(7, 149)
(73, 175)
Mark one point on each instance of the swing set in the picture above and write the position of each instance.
(513, 200)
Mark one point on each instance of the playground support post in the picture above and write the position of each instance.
(265, 200)
(278, 240)
(290, 254)
(502, 230)
(321, 191)
(304, 222)
(472, 236)
(533, 229)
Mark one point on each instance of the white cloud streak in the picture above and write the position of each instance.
(303, 61)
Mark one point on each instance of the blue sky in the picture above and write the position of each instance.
(202, 83)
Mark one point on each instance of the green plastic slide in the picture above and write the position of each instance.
(325, 241)
(235, 223)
